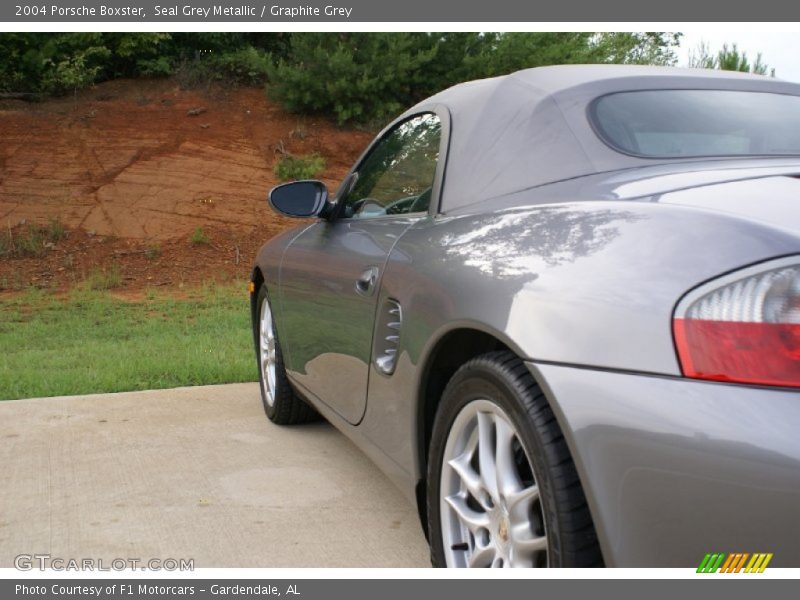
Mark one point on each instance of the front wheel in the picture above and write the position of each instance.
(280, 402)
(503, 490)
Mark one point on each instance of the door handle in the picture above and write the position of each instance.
(365, 284)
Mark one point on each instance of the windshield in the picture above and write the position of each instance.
(693, 123)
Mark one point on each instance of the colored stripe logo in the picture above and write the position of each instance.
(739, 562)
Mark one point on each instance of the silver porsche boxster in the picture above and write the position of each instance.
(560, 309)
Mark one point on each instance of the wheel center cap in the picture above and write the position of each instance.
(502, 530)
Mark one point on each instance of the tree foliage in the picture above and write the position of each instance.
(355, 77)
(728, 59)
(368, 76)
(56, 63)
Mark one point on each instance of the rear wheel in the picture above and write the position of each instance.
(280, 402)
(503, 490)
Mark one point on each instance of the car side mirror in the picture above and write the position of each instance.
(300, 198)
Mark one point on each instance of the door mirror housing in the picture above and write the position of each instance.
(300, 199)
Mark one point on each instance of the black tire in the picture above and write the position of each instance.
(503, 379)
(288, 408)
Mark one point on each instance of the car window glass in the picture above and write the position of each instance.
(694, 123)
(397, 175)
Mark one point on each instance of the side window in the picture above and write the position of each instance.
(396, 177)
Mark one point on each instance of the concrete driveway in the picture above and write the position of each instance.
(193, 473)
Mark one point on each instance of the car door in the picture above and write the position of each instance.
(331, 272)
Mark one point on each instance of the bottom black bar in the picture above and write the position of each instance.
(734, 587)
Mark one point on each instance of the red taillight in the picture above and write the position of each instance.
(763, 353)
(743, 328)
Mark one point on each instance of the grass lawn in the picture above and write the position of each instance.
(89, 341)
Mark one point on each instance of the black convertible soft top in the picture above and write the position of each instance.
(532, 127)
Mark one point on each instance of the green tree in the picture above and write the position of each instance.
(356, 77)
(513, 51)
(371, 76)
(727, 59)
(730, 59)
(140, 53)
(54, 63)
(353, 76)
(73, 72)
(702, 58)
(69, 62)
(645, 48)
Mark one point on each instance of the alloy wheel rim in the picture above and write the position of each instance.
(490, 503)
(267, 353)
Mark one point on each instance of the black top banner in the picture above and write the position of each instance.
(343, 11)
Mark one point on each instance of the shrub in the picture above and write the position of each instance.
(71, 74)
(245, 66)
(365, 77)
(104, 279)
(291, 167)
(352, 76)
(6, 243)
(29, 241)
(155, 67)
(138, 53)
(55, 230)
(199, 237)
(152, 252)
(54, 63)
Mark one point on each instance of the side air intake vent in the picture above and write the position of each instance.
(388, 337)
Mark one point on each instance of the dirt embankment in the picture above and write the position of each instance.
(132, 168)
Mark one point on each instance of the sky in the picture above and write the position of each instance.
(779, 50)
